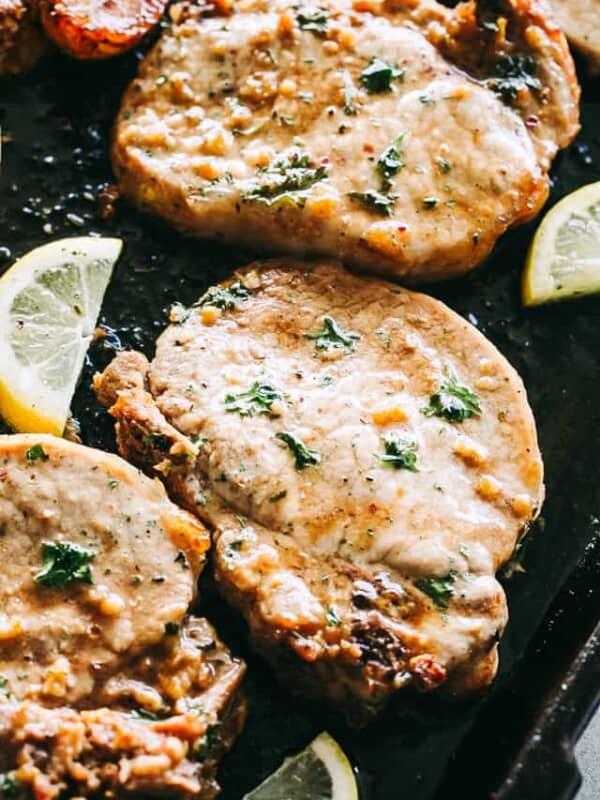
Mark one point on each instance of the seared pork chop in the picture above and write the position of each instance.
(366, 460)
(402, 137)
(103, 670)
(580, 20)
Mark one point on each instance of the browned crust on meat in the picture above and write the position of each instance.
(91, 30)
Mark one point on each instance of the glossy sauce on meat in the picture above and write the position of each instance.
(367, 461)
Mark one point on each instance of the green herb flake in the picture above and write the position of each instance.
(226, 298)
(157, 441)
(378, 76)
(314, 20)
(430, 202)
(440, 590)
(333, 337)
(453, 402)
(64, 563)
(206, 746)
(275, 498)
(390, 162)
(332, 617)
(112, 484)
(375, 201)
(513, 74)
(399, 453)
(286, 181)
(443, 164)
(36, 453)
(9, 785)
(171, 628)
(257, 400)
(303, 455)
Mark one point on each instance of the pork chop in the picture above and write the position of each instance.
(102, 667)
(367, 462)
(401, 137)
(580, 20)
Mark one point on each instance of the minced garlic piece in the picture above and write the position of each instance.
(217, 142)
(10, 627)
(471, 452)
(323, 207)
(385, 416)
(207, 170)
(58, 678)
(521, 505)
(489, 488)
(209, 315)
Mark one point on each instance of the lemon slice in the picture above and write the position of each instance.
(564, 258)
(49, 303)
(320, 772)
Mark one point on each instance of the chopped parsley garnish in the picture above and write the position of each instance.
(443, 164)
(275, 498)
(512, 74)
(453, 402)
(257, 400)
(171, 628)
(375, 201)
(399, 453)
(332, 617)
(63, 563)
(159, 441)
(430, 202)
(440, 590)
(148, 716)
(378, 76)
(224, 298)
(286, 181)
(206, 745)
(36, 453)
(303, 455)
(314, 20)
(390, 162)
(333, 337)
(9, 785)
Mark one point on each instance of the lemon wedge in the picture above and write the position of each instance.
(49, 303)
(320, 772)
(564, 257)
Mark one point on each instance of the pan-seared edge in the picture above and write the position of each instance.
(109, 686)
(402, 137)
(366, 460)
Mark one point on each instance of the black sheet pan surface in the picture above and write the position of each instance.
(514, 742)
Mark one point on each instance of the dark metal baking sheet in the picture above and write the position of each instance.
(512, 744)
